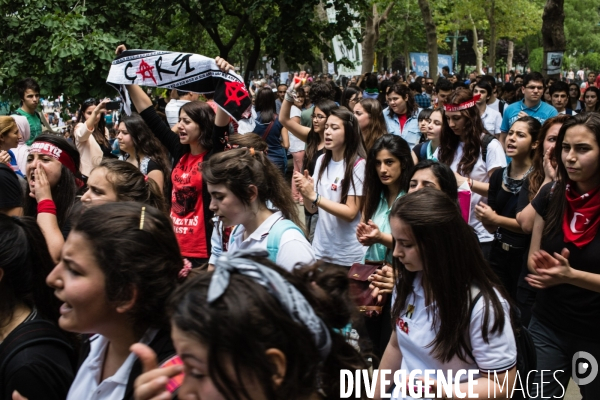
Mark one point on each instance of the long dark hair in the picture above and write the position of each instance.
(264, 103)
(354, 148)
(64, 193)
(239, 169)
(595, 90)
(537, 176)
(314, 139)
(202, 114)
(131, 185)
(144, 142)
(25, 262)
(246, 320)
(141, 260)
(533, 127)
(372, 186)
(442, 172)
(441, 236)
(349, 92)
(377, 127)
(99, 132)
(449, 141)
(558, 201)
(405, 93)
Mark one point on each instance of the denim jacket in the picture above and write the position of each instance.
(410, 133)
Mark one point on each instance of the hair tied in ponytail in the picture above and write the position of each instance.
(145, 178)
(185, 270)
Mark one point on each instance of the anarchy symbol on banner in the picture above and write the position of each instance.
(145, 70)
(236, 92)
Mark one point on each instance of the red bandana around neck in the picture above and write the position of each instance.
(582, 216)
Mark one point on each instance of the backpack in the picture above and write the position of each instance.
(501, 105)
(485, 142)
(526, 354)
(422, 154)
(274, 236)
(29, 334)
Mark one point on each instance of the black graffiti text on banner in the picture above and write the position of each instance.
(182, 71)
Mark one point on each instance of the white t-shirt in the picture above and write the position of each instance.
(172, 111)
(492, 120)
(294, 249)
(495, 158)
(85, 385)
(295, 143)
(335, 239)
(565, 111)
(415, 331)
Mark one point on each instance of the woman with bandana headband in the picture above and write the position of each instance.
(254, 331)
(53, 179)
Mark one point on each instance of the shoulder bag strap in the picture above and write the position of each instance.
(266, 134)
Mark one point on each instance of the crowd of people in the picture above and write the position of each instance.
(421, 225)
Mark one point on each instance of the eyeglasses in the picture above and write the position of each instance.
(319, 117)
(429, 83)
(534, 87)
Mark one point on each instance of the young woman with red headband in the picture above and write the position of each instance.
(200, 135)
(53, 179)
(564, 259)
(462, 148)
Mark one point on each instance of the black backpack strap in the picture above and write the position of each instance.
(474, 301)
(29, 334)
(162, 345)
(501, 107)
(485, 142)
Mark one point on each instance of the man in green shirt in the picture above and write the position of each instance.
(29, 93)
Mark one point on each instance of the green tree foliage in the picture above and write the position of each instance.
(68, 45)
(581, 26)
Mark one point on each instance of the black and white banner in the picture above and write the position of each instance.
(182, 71)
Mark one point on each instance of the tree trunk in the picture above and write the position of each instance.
(491, 12)
(371, 35)
(254, 53)
(476, 47)
(431, 32)
(322, 14)
(390, 57)
(553, 32)
(509, 57)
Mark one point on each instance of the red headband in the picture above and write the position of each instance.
(462, 106)
(51, 150)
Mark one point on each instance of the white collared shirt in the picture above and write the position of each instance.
(294, 249)
(86, 386)
(415, 332)
(492, 120)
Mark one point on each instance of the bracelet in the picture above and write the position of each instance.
(46, 206)
(316, 202)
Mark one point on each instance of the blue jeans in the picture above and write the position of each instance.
(554, 352)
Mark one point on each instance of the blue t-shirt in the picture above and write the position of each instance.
(541, 112)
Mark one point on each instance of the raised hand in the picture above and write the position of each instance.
(152, 383)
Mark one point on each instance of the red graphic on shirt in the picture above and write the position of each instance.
(402, 325)
(145, 70)
(236, 92)
(334, 187)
